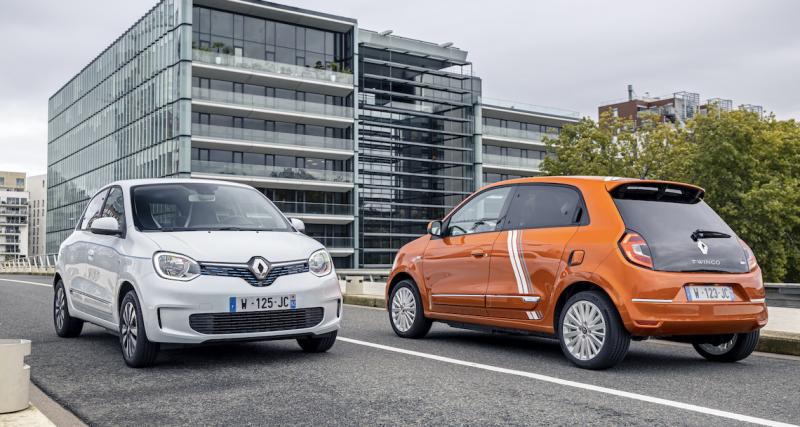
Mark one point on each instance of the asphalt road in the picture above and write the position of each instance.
(452, 377)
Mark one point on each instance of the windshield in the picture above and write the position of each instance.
(203, 206)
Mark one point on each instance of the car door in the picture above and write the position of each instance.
(105, 256)
(456, 264)
(79, 271)
(528, 254)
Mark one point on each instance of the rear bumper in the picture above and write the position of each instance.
(685, 318)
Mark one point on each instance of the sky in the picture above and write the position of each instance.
(570, 54)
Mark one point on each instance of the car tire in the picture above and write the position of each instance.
(137, 350)
(406, 314)
(318, 344)
(66, 326)
(738, 348)
(591, 332)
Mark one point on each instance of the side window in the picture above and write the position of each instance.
(115, 207)
(536, 206)
(481, 214)
(93, 210)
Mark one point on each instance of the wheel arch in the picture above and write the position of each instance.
(574, 288)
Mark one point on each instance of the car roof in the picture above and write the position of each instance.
(609, 182)
(126, 184)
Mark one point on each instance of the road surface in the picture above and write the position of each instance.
(452, 377)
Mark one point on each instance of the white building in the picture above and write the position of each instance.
(37, 208)
(13, 224)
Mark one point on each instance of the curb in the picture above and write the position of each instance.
(364, 300)
(779, 342)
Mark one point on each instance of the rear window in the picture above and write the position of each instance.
(683, 232)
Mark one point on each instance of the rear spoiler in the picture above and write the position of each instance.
(655, 190)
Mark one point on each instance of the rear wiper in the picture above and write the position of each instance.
(708, 234)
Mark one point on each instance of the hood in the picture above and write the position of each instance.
(236, 246)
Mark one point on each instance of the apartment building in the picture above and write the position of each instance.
(13, 216)
(36, 186)
(364, 135)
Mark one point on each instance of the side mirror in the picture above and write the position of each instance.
(435, 228)
(106, 225)
(298, 225)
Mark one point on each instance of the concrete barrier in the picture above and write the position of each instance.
(15, 375)
(783, 294)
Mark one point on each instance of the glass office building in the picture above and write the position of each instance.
(364, 136)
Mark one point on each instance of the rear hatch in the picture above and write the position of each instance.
(682, 232)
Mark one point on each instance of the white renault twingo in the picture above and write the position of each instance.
(193, 261)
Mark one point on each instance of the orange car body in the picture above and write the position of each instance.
(519, 279)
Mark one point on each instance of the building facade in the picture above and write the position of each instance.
(675, 108)
(36, 186)
(13, 216)
(364, 136)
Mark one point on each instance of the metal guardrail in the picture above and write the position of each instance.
(778, 294)
(41, 264)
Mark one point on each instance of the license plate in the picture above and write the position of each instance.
(275, 302)
(709, 293)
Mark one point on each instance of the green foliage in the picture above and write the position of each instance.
(749, 166)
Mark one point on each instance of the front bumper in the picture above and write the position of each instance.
(168, 305)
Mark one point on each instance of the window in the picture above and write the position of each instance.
(115, 207)
(536, 206)
(481, 214)
(93, 210)
(20, 182)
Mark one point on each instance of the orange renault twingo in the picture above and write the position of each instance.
(592, 261)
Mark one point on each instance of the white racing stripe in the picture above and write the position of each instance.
(26, 282)
(576, 384)
(512, 258)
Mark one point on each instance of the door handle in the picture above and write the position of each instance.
(478, 253)
(90, 254)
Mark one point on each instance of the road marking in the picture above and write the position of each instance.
(26, 282)
(575, 384)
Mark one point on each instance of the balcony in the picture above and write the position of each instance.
(270, 108)
(223, 137)
(317, 213)
(336, 246)
(268, 73)
(516, 138)
(275, 176)
(507, 164)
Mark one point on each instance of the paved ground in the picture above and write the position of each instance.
(452, 377)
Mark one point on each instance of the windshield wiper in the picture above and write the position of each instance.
(708, 234)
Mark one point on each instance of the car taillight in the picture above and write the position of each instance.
(635, 249)
(751, 257)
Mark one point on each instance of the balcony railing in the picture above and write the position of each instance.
(268, 137)
(314, 208)
(270, 67)
(511, 162)
(335, 242)
(512, 105)
(241, 169)
(272, 103)
(517, 133)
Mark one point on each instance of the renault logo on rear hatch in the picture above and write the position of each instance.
(259, 267)
(702, 246)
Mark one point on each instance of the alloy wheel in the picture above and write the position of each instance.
(60, 308)
(129, 330)
(404, 309)
(719, 349)
(584, 330)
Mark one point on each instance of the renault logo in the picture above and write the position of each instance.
(702, 246)
(259, 267)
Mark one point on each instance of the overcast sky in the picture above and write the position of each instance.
(568, 54)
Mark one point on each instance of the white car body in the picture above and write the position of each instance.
(97, 270)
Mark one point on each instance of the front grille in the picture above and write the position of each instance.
(256, 321)
(245, 273)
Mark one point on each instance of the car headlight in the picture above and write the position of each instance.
(175, 266)
(320, 263)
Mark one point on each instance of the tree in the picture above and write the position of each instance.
(749, 166)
